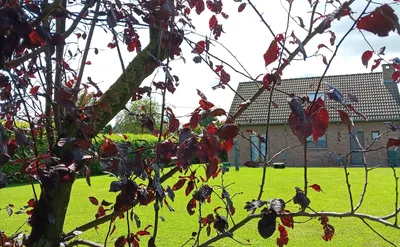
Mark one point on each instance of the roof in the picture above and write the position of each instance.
(376, 101)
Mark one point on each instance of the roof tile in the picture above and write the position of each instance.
(376, 101)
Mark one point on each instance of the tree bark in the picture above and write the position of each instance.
(49, 215)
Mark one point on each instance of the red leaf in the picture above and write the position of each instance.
(218, 112)
(120, 242)
(189, 188)
(88, 176)
(241, 7)
(320, 122)
(216, 209)
(179, 184)
(345, 119)
(251, 164)
(113, 229)
(212, 167)
(356, 112)
(393, 142)
(200, 6)
(228, 131)
(226, 16)
(316, 187)
(194, 119)
(322, 46)
(272, 53)
(329, 230)
(380, 21)
(173, 125)
(216, 173)
(324, 60)
(93, 200)
(31, 203)
(376, 64)
(283, 236)
(190, 206)
(218, 68)
(225, 77)
(100, 212)
(333, 37)
(200, 47)
(212, 22)
(34, 90)
(227, 145)
(88, 63)
(205, 105)
(366, 56)
(212, 129)
(143, 233)
(287, 220)
(396, 76)
(111, 45)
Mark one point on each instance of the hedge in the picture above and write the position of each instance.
(137, 140)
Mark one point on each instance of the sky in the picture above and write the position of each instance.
(247, 38)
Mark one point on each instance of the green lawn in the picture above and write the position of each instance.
(178, 225)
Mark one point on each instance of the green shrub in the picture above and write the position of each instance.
(137, 140)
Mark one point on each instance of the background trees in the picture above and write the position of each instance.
(129, 121)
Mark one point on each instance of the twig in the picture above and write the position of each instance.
(87, 48)
(377, 233)
(396, 203)
(305, 167)
(84, 242)
(267, 25)
(312, 17)
(336, 50)
(346, 173)
(108, 234)
(264, 172)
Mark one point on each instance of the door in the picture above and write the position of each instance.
(256, 147)
(357, 157)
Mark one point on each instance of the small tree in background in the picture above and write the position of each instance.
(128, 121)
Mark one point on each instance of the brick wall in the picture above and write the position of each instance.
(338, 141)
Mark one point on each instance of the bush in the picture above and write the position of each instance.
(137, 140)
(13, 170)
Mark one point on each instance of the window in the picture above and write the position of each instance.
(321, 143)
(257, 146)
(375, 135)
(312, 94)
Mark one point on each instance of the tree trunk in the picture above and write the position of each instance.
(48, 216)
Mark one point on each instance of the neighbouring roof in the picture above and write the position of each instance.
(377, 101)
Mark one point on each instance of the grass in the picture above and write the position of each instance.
(178, 225)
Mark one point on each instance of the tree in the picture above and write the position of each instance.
(129, 121)
(39, 85)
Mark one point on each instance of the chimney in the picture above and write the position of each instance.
(387, 72)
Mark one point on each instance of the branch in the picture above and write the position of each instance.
(377, 233)
(118, 95)
(102, 220)
(86, 51)
(16, 62)
(84, 242)
(298, 214)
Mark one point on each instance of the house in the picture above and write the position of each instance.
(378, 99)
